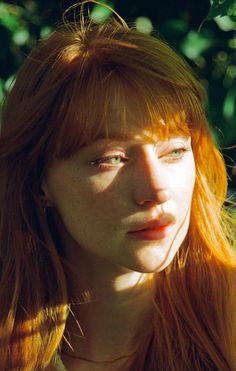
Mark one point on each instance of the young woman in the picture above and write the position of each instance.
(115, 251)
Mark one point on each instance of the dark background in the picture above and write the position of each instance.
(208, 43)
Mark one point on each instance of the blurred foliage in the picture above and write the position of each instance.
(221, 8)
(204, 32)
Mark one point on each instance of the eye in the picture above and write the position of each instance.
(176, 153)
(110, 161)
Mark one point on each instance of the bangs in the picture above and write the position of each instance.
(103, 98)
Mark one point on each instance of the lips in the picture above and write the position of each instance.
(153, 230)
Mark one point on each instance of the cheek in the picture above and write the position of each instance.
(183, 188)
(87, 208)
(105, 194)
(186, 187)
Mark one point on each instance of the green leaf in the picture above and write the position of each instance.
(144, 25)
(222, 8)
(225, 23)
(45, 31)
(21, 36)
(10, 21)
(228, 107)
(100, 13)
(195, 44)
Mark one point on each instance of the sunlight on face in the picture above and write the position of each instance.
(124, 201)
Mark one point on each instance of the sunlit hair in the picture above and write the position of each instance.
(65, 96)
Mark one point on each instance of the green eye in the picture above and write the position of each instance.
(177, 153)
(116, 160)
(112, 160)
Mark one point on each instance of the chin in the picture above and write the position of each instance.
(153, 261)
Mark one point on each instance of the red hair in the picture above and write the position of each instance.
(63, 98)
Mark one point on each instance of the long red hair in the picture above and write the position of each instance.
(61, 100)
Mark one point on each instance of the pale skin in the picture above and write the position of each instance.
(100, 196)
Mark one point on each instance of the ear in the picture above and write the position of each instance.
(45, 194)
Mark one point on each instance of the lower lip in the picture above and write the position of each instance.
(152, 234)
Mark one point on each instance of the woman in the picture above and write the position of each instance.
(115, 251)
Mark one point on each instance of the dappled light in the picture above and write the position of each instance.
(206, 37)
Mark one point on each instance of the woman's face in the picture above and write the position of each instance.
(125, 200)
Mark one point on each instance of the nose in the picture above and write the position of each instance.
(151, 188)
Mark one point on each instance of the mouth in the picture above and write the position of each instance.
(154, 230)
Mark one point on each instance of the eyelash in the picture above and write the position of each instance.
(183, 150)
(103, 161)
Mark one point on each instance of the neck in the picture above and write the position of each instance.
(110, 312)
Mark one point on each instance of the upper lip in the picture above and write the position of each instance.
(153, 224)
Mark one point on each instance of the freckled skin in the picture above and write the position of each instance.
(96, 204)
